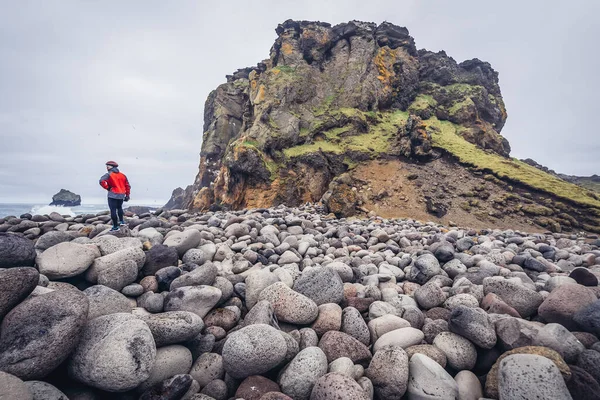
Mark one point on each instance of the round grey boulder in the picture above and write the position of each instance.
(105, 262)
(173, 326)
(197, 299)
(41, 332)
(253, 350)
(202, 275)
(299, 376)
(12, 387)
(289, 305)
(16, 251)
(460, 353)
(335, 386)
(389, 372)
(15, 285)
(183, 241)
(104, 300)
(424, 268)
(44, 391)
(66, 260)
(428, 380)
(116, 353)
(170, 360)
(529, 376)
(473, 324)
(321, 285)
(119, 275)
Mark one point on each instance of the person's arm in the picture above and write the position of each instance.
(127, 187)
(104, 181)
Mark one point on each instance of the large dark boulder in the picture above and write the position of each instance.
(66, 198)
(16, 251)
(15, 285)
(41, 332)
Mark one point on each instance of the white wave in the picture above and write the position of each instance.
(45, 210)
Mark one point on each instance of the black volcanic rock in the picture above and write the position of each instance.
(66, 198)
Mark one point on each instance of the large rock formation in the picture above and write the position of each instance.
(299, 126)
(66, 198)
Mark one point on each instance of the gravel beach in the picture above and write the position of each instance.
(291, 303)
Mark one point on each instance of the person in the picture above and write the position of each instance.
(118, 188)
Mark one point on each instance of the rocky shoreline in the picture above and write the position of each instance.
(287, 303)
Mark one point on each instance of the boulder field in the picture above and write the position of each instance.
(292, 303)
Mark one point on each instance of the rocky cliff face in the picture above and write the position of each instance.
(330, 99)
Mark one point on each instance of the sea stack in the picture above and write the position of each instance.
(66, 198)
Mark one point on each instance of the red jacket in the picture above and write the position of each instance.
(116, 183)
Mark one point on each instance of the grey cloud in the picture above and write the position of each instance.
(84, 82)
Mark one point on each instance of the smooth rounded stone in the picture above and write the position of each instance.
(493, 304)
(469, 387)
(174, 388)
(197, 299)
(473, 324)
(166, 276)
(42, 391)
(256, 282)
(379, 309)
(133, 290)
(308, 338)
(338, 344)
(104, 300)
(39, 334)
(335, 386)
(460, 352)
(149, 283)
(491, 383)
(424, 268)
(111, 244)
(16, 251)
(66, 259)
(299, 376)
(586, 339)
(119, 275)
(288, 257)
(11, 387)
(556, 281)
(343, 270)
(354, 325)
(430, 295)
(52, 238)
(101, 263)
(430, 351)
(321, 285)
(152, 302)
(203, 275)
(461, 300)
(216, 389)
(194, 256)
(343, 365)
(183, 241)
(255, 387)
(158, 257)
(589, 360)
(438, 313)
(526, 301)
(527, 376)
(15, 285)
(588, 318)
(222, 317)
(558, 338)
(582, 385)
(284, 276)
(564, 302)
(428, 380)
(384, 324)
(116, 353)
(208, 367)
(173, 326)
(329, 319)
(388, 372)
(516, 332)
(584, 277)
(253, 350)
(261, 313)
(403, 337)
(289, 305)
(170, 360)
(454, 267)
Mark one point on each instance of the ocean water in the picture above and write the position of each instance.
(20, 209)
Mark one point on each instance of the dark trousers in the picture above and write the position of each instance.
(116, 207)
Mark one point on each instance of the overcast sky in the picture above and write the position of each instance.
(83, 82)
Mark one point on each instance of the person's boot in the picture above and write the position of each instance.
(114, 228)
(122, 223)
